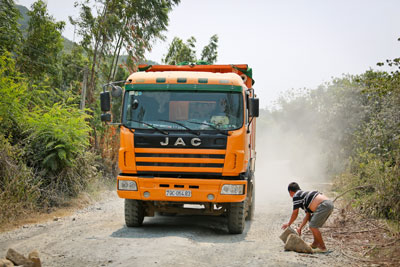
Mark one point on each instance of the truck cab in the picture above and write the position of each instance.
(187, 138)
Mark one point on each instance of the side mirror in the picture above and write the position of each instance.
(254, 109)
(116, 91)
(105, 101)
(106, 117)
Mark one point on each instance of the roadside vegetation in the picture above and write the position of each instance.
(354, 121)
(52, 143)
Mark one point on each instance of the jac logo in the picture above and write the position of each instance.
(179, 142)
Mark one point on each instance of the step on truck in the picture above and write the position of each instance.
(187, 142)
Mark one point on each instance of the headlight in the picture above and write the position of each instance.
(127, 185)
(232, 189)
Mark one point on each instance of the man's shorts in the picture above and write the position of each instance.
(321, 214)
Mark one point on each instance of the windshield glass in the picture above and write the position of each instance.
(177, 110)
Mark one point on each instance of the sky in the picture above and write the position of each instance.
(288, 43)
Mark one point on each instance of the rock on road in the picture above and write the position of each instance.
(97, 236)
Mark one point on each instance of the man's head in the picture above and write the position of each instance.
(293, 188)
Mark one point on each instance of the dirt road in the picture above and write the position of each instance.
(97, 236)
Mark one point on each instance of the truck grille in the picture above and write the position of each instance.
(182, 160)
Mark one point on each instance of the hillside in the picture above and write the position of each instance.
(123, 58)
(68, 44)
(24, 20)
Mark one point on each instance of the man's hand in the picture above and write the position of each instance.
(298, 230)
(292, 219)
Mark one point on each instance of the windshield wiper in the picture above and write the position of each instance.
(151, 126)
(184, 126)
(210, 125)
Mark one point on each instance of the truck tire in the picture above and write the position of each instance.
(134, 213)
(236, 217)
(251, 208)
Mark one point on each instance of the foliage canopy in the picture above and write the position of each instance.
(10, 34)
(41, 51)
(179, 51)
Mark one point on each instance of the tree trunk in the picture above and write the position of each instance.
(92, 72)
(116, 62)
(111, 74)
(95, 57)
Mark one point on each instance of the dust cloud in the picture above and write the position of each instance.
(284, 156)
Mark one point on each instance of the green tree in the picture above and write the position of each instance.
(180, 51)
(14, 98)
(210, 53)
(130, 25)
(10, 35)
(41, 51)
(72, 69)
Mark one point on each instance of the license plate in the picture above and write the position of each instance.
(178, 193)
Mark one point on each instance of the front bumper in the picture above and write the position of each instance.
(155, 189)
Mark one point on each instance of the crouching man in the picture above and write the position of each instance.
(317, 207)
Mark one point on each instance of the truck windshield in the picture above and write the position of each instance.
(192, 110)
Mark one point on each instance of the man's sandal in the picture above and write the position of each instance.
(312, 246)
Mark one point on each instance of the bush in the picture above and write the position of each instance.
(13, 98)
(58, 136)
(381, 196)
(19, 189)
(71, 180)
(56, 149)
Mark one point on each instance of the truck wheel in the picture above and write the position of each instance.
(134, 213)
(251, 208)
(236, 217)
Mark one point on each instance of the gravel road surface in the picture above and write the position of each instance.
(97, 236)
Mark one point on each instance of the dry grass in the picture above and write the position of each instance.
(34, 217)
(366, 241)
(28, 197)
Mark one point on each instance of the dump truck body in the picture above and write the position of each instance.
(188, 137)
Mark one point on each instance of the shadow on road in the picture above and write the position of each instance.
(196, 228)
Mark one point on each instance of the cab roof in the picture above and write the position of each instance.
(185, 77)
(243, 70)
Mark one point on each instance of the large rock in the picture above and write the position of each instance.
(34, 257)
(286, 234)
(16, 258)
(29, 264)
(6, 263)
(295, 243)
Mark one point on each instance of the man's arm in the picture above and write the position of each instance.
(305, 220)
(295, 213)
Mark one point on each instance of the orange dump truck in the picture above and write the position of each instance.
(187, 142)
